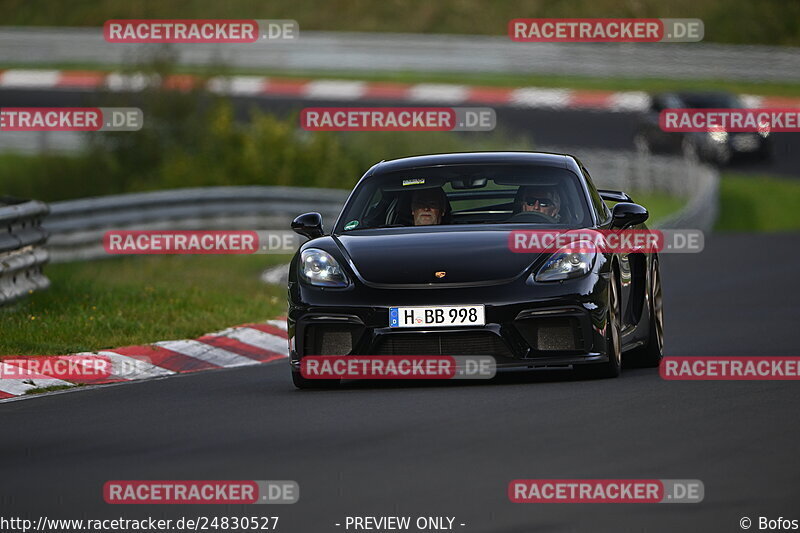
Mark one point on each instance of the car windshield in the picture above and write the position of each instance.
(469, 194)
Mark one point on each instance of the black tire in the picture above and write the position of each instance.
(651, 354)
(613, 367)
(304, 383)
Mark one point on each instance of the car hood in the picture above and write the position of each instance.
(413, 258)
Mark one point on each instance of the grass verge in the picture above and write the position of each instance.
(758, 203)
(658, 205)
(138, 300)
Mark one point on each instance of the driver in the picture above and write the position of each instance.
(428, 206)
(541, 199)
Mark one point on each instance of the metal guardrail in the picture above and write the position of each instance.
(673, 176)
(21, 253)
(703, 206)
(76, 227)
(39, 142)
(375, 52)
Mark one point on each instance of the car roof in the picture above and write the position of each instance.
(476, 158)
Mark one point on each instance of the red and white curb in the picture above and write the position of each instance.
(248, 344)
(354, 91)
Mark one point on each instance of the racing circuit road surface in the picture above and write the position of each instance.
(450, 449)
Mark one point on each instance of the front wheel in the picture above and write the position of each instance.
(650, 355)
(613, 367)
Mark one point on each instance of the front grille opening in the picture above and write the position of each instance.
(552, 334)
(331, 339)
(460, 343)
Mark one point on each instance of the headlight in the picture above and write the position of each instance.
(319, 268)
(718, 136)
(572, 261)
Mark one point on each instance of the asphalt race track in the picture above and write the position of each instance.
(451, 449)
(543, 127)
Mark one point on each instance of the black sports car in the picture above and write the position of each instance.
(432, 232)
(716, 147)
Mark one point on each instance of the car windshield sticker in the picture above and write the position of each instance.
(414, 181)
(350, 225)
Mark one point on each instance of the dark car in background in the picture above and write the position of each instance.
(349, 289)
(715, 147)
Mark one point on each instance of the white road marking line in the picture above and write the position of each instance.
(206, 352)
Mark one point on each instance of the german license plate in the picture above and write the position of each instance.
(436, 316)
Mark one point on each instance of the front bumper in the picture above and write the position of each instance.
(563, 325)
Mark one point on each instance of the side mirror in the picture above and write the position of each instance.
(309, 225)
(628, 214)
